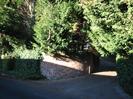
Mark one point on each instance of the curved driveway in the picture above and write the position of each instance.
(85, 87)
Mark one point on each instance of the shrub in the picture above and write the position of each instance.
(17, 60)
(125, 71)
(22, 63)
(27, 63)
(6, 44)
(6, 48)
(58, 24)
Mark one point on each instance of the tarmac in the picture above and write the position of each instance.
(102, 85)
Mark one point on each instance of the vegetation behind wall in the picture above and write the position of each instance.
(59, 26)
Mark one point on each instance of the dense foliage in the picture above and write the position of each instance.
(111, 26)
(14, 18)
(59, 26)
(125, 72)
(17, 60)
(18, 57)
(26, 63)
(111, 33)
(9, 17)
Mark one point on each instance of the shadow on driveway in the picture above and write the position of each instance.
(84, 87)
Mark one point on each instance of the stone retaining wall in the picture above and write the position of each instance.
(64, 67)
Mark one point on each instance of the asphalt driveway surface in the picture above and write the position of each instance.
(85, 87)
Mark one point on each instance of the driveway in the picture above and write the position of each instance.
(85, 87)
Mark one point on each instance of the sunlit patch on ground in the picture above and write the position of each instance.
(106, 73)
